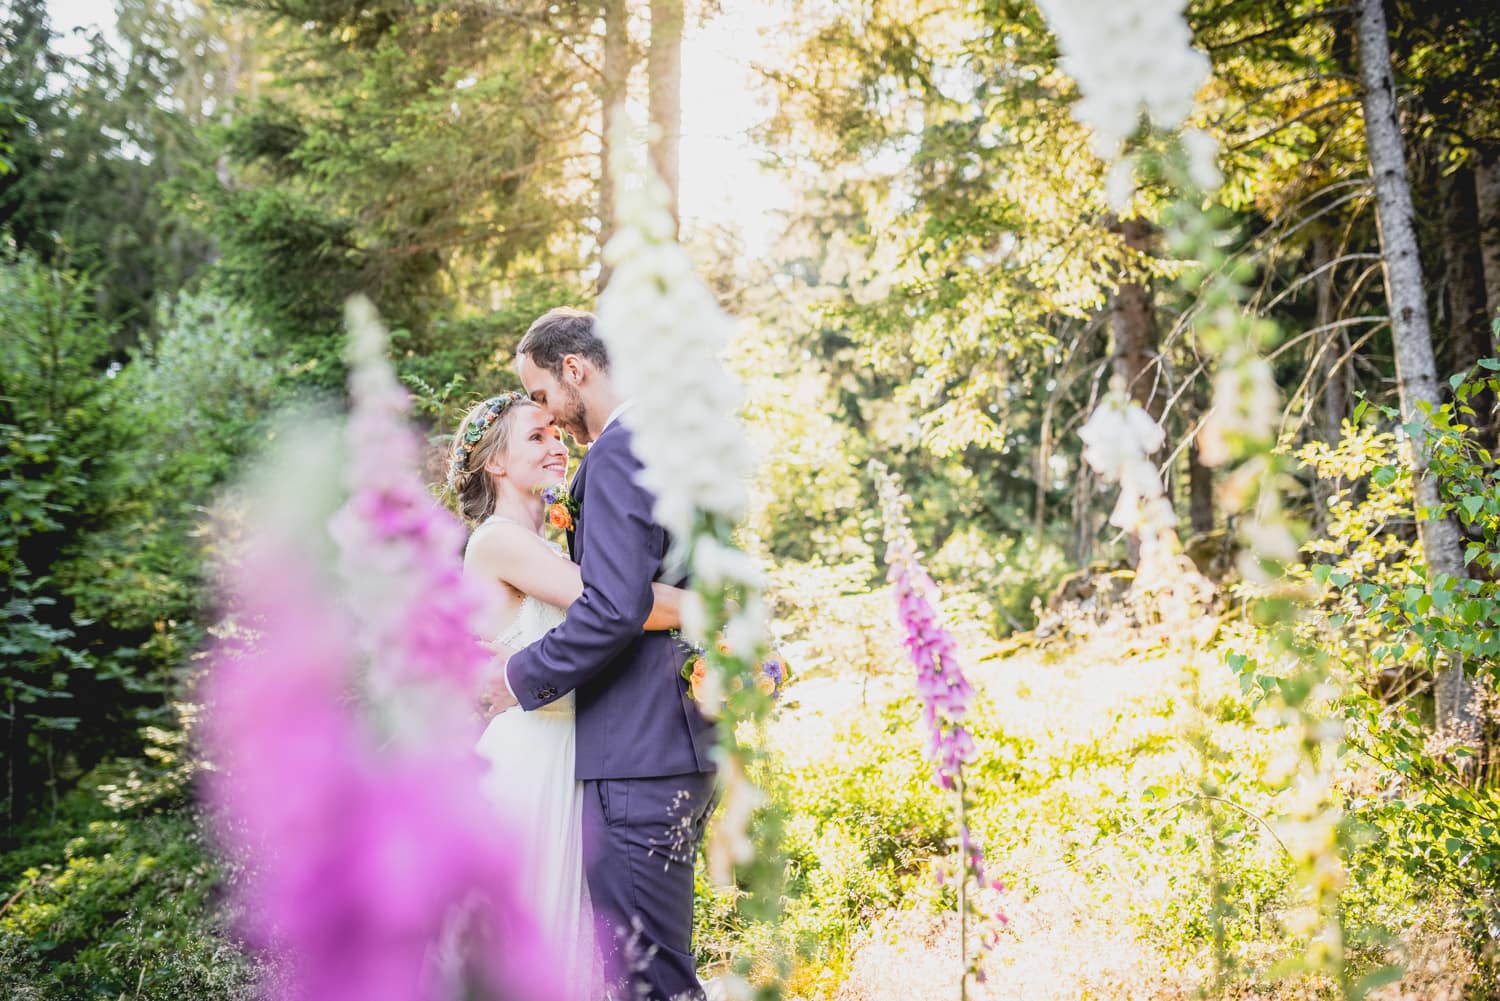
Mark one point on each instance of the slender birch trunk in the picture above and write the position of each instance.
(1416, 372)
(612, 92)
(664, 71)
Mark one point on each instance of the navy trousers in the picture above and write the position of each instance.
(640, 841)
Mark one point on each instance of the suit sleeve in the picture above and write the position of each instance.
(622, 551)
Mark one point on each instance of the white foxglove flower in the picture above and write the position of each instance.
(666, 334)
(1127, 56)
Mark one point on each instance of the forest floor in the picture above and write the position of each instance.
(1102, 875)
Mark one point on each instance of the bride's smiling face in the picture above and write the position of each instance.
(534, 456)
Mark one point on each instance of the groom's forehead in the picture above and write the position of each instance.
(530, 373)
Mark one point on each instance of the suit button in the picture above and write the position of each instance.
(546, 693)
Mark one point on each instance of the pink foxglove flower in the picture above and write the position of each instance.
(373, 869)
(944, 691)
(358, 860)
(398, 556)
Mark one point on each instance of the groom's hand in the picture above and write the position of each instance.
(496, 697)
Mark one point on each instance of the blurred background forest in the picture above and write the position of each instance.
(916, 240)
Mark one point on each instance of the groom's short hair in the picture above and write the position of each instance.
(560, 332)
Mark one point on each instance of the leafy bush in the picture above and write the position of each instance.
(121, 895)
(1433, 815)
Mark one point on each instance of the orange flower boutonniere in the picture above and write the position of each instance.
(561, 507)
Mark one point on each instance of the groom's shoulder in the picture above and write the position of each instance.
(615, 445)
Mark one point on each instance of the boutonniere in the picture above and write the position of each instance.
(561, 507)
(703, 688)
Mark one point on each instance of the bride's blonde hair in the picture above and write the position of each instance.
(482, 434)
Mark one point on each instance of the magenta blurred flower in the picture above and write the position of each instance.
(374, 869)
(358, 860)
(399, 552)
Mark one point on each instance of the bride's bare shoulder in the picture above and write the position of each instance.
(500, 542)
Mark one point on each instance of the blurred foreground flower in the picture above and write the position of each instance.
(363, 854)
(1129, 57)
(666, 334)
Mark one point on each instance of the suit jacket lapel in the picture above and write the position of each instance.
(575, 490)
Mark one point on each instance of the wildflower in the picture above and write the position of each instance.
(665, 334)
(397, 556)
(945, 693)
(1127, 56)
(363, 853)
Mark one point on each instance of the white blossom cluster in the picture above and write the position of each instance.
(666, 334)
(1130, 56)
(1118, 441)
(1242, 425)
(1127, 55)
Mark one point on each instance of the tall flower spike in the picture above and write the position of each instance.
(398, 556)
(666, 335)
(1130, 56)
(944, 691)
(362, 855)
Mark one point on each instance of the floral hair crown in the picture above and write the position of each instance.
(463, 445)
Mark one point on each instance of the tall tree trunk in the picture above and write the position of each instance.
(1487, 193)
(664, 71)
(1136, 357)
(1468, 328)
(612, 92)
(1416, 375)
(1200, 477)
(1132, 320)
(1333, 401)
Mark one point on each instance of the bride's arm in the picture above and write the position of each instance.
(525, 562)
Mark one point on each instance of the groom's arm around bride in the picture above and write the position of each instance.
(643, 749)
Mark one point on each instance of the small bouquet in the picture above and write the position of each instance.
(561, 507)
(772, 677)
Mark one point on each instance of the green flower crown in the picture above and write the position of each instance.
(463, 445)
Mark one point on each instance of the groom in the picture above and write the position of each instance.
(643, 749)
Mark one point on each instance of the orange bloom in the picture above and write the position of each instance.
(558, 515)
(765, 683)
(700, 672)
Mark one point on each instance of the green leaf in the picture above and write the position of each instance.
(1375, 980)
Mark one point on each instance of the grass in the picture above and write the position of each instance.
(1107, 763)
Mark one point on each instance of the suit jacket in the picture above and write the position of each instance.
(635, 718)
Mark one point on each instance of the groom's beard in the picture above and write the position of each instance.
(573, 416)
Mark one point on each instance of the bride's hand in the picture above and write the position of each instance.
(495, 697)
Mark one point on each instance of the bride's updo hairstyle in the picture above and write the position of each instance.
(482, 434)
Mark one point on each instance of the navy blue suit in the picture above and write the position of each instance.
(643, 749)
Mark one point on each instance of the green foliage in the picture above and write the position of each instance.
(1394, 626)
(54, 428)
(121, 894)
(421, 157)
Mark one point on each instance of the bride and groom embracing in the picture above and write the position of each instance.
(595, 747)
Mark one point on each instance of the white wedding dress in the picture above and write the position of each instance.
(530, 778)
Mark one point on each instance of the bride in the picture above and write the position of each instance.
(505, 454)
